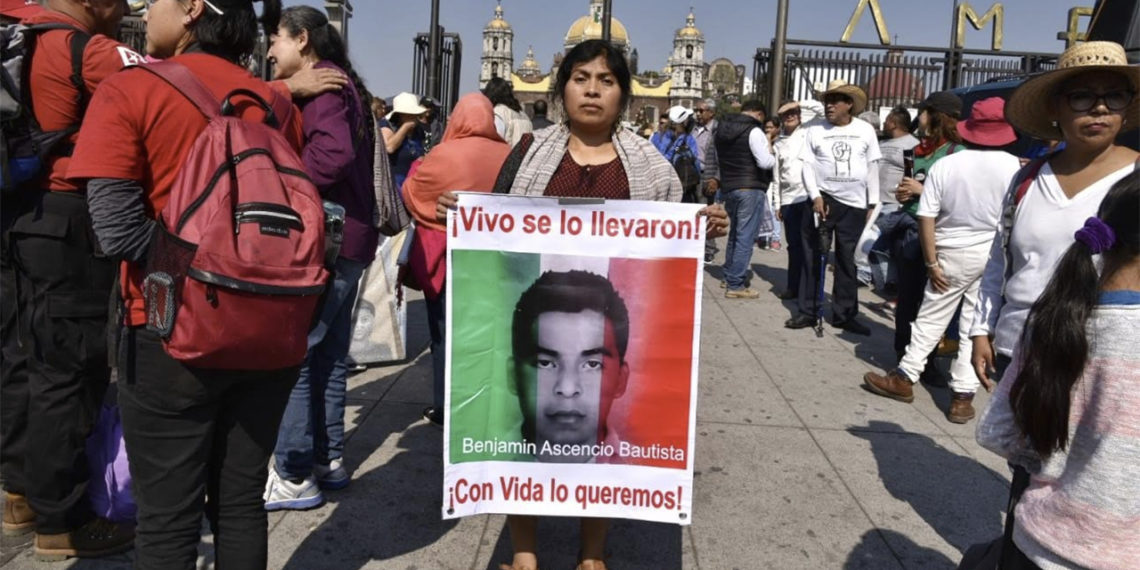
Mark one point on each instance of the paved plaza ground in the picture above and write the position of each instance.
(796, 466)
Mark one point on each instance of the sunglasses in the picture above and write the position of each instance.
(1084, 100)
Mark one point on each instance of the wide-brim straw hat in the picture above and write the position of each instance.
(1028, 109)
(841, 87)
(406, 104)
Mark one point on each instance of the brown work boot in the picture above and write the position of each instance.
(95, 539)
(746, 293)
(961, 408)
(894, 385)
(19, 518)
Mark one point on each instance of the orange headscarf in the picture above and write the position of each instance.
(466, 159)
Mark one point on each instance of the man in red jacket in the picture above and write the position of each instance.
(62, 285)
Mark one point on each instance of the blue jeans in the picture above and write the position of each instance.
(312, 430)
(744, 211)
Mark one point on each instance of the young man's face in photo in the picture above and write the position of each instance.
(578, 373)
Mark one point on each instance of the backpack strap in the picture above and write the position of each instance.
(1021, 183)
(183, 80)
(282, 108)
(1026, 177)
(78, 45)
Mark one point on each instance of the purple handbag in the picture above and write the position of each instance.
(109, 488)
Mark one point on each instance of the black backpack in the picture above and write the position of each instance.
(27, 148)
(685, 163)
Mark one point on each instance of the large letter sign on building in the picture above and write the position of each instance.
(966, 12)
(876, 13)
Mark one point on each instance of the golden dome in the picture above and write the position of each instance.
(589, 27)
(690, 30)
(530, 64)
(498, 23)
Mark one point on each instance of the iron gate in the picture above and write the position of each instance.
(891, 75)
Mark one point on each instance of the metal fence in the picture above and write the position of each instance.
(891, 75)
(451, 56)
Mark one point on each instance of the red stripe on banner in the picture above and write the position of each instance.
(653, 414)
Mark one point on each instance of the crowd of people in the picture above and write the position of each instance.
(1035, 263)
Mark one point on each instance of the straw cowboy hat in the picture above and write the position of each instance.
(407, 104)
(1028, 109)
(853, 92)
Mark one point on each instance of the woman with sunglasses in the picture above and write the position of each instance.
(1086, 102)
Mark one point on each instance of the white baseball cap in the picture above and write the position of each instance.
(679, 114)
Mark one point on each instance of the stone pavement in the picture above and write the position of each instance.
(796, 466)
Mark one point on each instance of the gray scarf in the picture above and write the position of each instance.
(651, 177)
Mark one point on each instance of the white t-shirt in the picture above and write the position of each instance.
(1043, 230)
(964, 193)
(788, 175)
(840, 158)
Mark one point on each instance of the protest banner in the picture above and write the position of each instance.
(573, 330)
(380, 318)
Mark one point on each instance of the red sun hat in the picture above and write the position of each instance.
(20, 9)
(987, 125)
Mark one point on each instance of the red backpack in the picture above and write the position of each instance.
(236, 267)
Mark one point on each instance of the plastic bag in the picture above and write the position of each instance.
(109, 488)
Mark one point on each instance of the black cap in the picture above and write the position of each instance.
(943, 102)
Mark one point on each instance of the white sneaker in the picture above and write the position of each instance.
(332, 476)
(282, 494)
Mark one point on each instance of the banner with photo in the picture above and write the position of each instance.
(380, 318)
(573, 330)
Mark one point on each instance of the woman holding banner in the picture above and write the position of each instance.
(466, 158)
(589, 155)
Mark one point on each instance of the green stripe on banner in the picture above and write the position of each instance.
(484, 401)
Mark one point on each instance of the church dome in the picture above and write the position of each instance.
(589, 27)
(530, 64)
(690, 30)
(498, 23)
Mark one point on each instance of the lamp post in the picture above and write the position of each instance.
(434, 41)
(776, 66)
(607, 15)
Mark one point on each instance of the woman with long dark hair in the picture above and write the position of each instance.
(1071, 414)
(198, 439)
(510, 122)
(338, 156)
(587, 156)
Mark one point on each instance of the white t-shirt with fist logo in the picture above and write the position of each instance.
(840, 158)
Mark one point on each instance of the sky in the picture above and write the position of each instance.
(381, 32)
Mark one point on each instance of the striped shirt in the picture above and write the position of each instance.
(1082, 507)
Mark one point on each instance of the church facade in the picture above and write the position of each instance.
(682, 82)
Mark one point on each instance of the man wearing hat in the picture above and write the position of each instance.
(958, 213)
(842, 178)
(792, 202)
